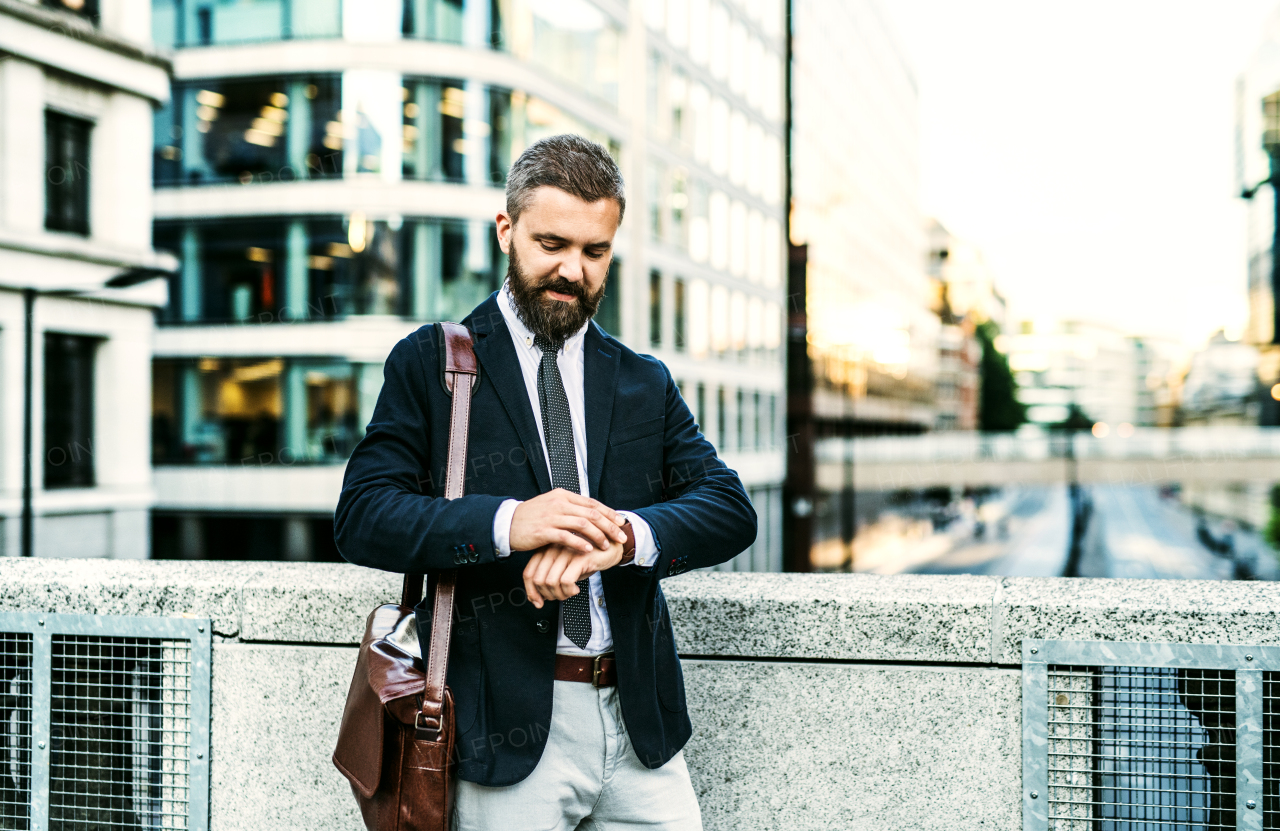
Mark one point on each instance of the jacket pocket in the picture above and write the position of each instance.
(636, 431)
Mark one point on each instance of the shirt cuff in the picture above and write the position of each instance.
(646, 543)
(502, 528)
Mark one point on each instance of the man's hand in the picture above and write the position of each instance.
(552, 572)
(566, 519)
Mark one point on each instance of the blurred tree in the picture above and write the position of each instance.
(998, 405)
(1077, 419)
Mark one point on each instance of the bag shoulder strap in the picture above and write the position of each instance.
(460, 371)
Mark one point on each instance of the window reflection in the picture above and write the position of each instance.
(263, 129)
(280, 270)
(176, 23)
(260, 411)
(433, 20)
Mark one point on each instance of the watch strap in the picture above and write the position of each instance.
(628, 546)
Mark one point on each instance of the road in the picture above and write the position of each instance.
(1134, 533)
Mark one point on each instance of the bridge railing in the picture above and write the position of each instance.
(1217, 442)
(817, 701)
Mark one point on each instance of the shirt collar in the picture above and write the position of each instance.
(521, 334)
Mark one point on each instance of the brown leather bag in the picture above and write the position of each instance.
(396, 743)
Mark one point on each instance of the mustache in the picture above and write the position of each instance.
(562, 286)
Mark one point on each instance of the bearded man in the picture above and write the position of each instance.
(588, 482)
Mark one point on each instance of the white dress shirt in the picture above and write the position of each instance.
(572, 374)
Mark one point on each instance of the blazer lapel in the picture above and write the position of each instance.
(601, 370)
(499, 361)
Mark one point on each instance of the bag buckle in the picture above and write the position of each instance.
(595, 671)
(425, 732)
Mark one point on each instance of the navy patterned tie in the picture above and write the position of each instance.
(557, 432)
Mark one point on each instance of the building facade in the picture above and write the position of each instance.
(78, 287)
(328, 175)
(873, 335)
(1258, 159)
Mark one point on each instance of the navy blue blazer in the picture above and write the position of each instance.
(644, 454)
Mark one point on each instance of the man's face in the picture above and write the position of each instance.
(559, 254)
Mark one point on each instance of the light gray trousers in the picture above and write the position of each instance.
(588, 778)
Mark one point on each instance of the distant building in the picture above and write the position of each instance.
(78, 85)
(329, 173)
(1088, 365)
(1221, 386)
(872, 334)
(966, 298)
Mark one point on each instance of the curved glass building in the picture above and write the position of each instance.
(328, 174)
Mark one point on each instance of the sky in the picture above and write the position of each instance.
(1088, 149)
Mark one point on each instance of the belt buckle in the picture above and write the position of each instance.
(595, 671)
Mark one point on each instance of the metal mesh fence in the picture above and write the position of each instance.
(1141, 748)
(15, 731)
(120, 722)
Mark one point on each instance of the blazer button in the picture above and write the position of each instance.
(543, 626)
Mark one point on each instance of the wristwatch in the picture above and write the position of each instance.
(629, 545)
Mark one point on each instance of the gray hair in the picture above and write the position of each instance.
(571, 163)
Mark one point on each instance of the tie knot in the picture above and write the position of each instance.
(547, 345)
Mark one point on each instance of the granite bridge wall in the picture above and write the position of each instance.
(818, 701)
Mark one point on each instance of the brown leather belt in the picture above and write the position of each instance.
(598, 670)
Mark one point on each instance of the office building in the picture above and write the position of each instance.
(328, 174)
(78, 84)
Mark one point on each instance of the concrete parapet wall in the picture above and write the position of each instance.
(818, 701)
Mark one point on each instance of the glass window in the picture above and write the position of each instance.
(771, 253)
(756, 165)
(722, 418)
(700, 122)
(434, 144)
(439, 20)
(679, 231)
(654, 94)
(250, 130)
(700, 406)
(699, 32)
(66, 167)
(772, 326)
(756, 69)
(355, 266)
(719, 318)
(737, 321)
(655, 13)
(655, 308)
(68, 410)
(738, 148)
(755, 323)
(678, 314)
(678, 101)
(218, 410)
(699, 318)
(718, 213)
(738, 239)
(657, 187)
(755, 247)
(609, 315)
(699, 224)
(678, 23)
(237, 276)
(719, 136)
(258, 411)
(755, 420)
(741, 413)
(718, 49)
(176, 23)
(321, 412)
(738, 70)
(571, 39)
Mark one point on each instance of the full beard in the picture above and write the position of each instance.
(553, 319)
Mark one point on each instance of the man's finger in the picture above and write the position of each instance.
(588, 502)
(601, 520)
(529, 570)
(552, 579)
